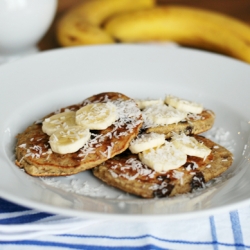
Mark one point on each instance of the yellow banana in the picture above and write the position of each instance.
(81, 24)
(184, 25)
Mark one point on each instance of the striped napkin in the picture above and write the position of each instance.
(24, 228)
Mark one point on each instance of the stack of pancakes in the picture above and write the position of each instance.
(108, 156)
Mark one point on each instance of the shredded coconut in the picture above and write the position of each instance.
(222, 137)
(128, 118)
(178, 175)
(192, 116)
(75, 186)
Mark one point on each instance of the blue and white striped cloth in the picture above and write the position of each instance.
(23, 228)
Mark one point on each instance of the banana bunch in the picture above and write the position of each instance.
(81, 25)
(184, 25)
(128, 21)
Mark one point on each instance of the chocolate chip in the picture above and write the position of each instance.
(163, 192)
(198, 181)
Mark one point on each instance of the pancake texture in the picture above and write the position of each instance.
(192, 125)
(128, 173)
(34, 155)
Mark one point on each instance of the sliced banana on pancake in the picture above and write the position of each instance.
(162, 115)
(97, 116)
(129, 174)
(190, 146)
(58, 121)
(36, 151)
(64, 141)
(143, 103)
(184, 105)
(146, 141)
(164, 158)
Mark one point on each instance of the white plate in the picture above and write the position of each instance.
(37, 85)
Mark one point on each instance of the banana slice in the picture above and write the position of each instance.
(146, 141)
(183, 105)
(97, 115)
(162, 115)
(190, 146)
(142, 104)
(58, 121)
(64, 141)
(164, 158)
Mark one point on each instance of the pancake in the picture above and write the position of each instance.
(192, 125)
(128, 173)
(34, 155)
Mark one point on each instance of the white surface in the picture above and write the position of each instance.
(22, 25)
(39, 84)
